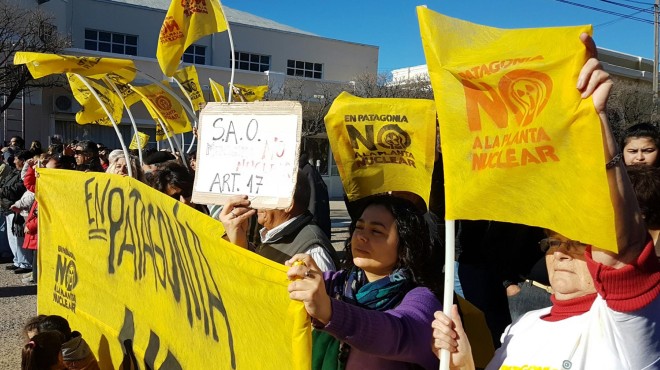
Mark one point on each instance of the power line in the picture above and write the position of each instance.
(649, 11)
(638, 2)
(607, 11)
(605, 24)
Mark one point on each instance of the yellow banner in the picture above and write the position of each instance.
(91, 111)
(150, 284)
(185, 23)
(519, 143)
(42, 64)
(168, 108)
(187, 77)
(382, 144)
(144, 139)
(218, 91)
(247, 93)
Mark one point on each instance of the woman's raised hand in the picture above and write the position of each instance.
(307, 286)
(449, 334)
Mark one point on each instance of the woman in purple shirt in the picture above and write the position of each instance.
(376, 312)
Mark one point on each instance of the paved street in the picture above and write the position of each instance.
(18, 301)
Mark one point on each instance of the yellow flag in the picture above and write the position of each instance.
(130, 96)
(185, 23)
(150, 284)
(217, 90)
(144, 139)
(247, 93)
(519, 144)
(382, 145)
(168, 108)
(91, 111)
(160, 133)
(42, 64)
(187, 77)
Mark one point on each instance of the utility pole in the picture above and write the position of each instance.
(656, 7)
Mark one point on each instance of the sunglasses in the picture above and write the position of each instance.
(572, 246)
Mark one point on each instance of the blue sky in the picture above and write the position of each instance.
(392, 25)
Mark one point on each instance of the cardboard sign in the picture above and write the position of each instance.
(248, 148)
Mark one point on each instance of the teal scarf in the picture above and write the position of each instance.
(328, 353)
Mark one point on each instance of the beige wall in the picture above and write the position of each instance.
(342, 61)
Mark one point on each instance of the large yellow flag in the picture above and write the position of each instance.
(187, 77)
(185, 23)
(247, 93)
(382, 145)
(151, 285)
(42, 64)
(217, 90)
(91, 111)
(519, 143)
(168, 108)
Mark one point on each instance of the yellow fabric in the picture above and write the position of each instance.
(185, 23)
(160, 133)
(130, 97)
(218, 91)
(382, 144)
(519, 144)
(187, 77)
(91, 111)
(478, 333)
(246, 93)
(168, 108)
(136, 267)
(42, 64)
(144, 139)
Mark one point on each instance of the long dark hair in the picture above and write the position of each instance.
(42, 351)
(415, 251)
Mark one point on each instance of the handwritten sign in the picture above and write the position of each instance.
(248, 148)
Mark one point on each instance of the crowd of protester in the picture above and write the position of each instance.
(545, 299)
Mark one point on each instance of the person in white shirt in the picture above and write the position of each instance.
(606, 310)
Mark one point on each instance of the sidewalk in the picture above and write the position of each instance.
(340, 223)
(18, 302)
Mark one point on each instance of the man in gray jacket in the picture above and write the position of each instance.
(286, 232)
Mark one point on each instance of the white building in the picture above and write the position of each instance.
(616, 63)
(266, 52)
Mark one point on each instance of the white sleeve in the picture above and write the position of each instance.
(322, 258)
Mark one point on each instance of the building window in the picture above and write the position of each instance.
(111, 42)
(251, 62)
(304, 69)
(195, 54)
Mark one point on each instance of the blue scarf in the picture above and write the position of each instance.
(328, 353)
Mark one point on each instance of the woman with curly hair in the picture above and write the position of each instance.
(376, 312)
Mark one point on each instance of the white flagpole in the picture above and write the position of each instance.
(112, 120)
(130, 115)
(183, 90)
(448, 299)
(167, 135)
(232, 56)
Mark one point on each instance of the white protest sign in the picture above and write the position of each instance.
(248, 148)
